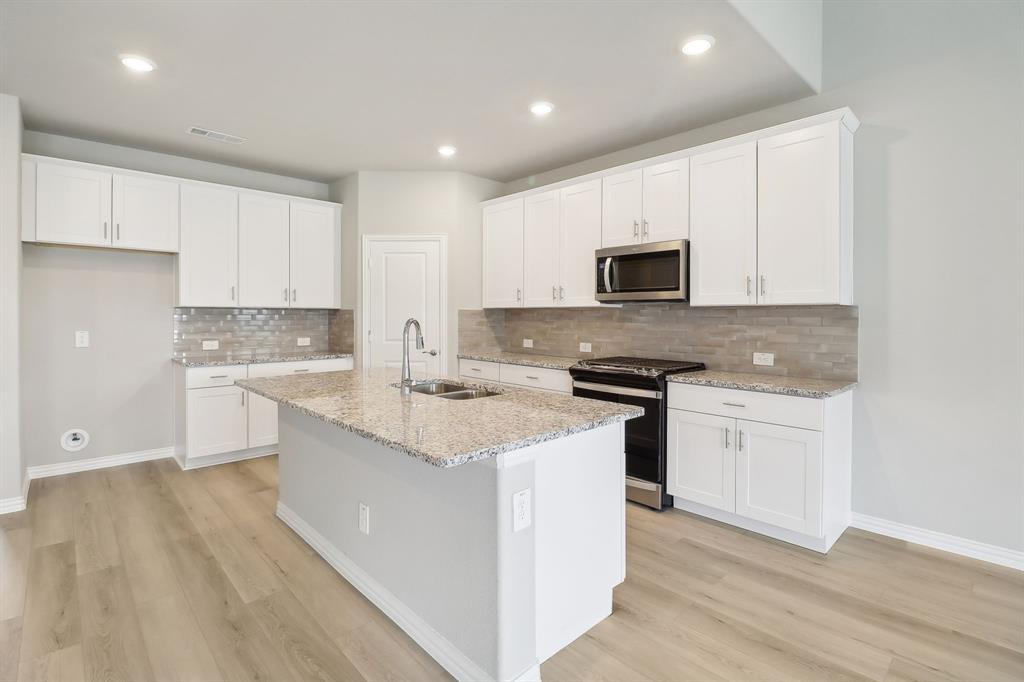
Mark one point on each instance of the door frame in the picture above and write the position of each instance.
(364, 321)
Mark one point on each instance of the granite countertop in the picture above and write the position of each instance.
(220, 358)
(765, 383)
(526, 359)
(442, 432)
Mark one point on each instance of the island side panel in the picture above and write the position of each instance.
(433, 541)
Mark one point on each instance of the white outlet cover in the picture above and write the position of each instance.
(527, 343)
(584, 347)
(211, 344)
(303, 341)
(81, 339)
(764, 359)
(522, 515)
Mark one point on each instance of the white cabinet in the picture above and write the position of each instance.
(208, 262)
(723, 226)
(649, 204)
(580, 237)
(503, 255)
(263, 248)
(144, 213)
(540, 250)
(702, 458)
(315, 256)
(541, 378)
(622, 204)
(801, 223)
(216, 420)
(778, 476)
(72, 204)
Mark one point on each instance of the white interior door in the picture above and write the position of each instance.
(263, 251)
(540, 249)
(404, 281)
(581, 237)
(145, 213)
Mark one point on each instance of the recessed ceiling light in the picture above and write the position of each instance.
(542, 108)
(446, 150)
(697, 45)
(137, 63)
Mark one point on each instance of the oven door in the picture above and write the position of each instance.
(645, 467)
(643, 272)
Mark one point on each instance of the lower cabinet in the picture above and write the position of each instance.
(216, 420)
(524, 376)
(787, 481)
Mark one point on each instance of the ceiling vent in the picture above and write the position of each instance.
(214, 135)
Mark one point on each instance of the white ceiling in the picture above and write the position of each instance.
(325, 88)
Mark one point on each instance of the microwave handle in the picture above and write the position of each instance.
(608, 274)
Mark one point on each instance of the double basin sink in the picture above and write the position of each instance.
(443, 389)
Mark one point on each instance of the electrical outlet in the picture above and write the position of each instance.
(527, 343)
(364, 518)
(766, 359)
(211, 344)
(584, 347)
(81, 339)
(521, 512)
(303, 341)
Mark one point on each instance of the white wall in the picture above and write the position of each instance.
(939, 254)
(12, 466)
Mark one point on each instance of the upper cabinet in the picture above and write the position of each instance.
(315, 255)
(502, 226)
(649, 204)
(580, 236)
(263, 251)
(72, 205)
(540, 249)
(145, 213)
(208, 262)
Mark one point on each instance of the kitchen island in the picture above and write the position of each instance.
(491, 530)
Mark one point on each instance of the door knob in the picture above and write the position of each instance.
(431, 352)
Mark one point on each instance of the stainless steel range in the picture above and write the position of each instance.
(636, 381)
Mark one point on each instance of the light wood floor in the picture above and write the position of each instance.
(145, 572)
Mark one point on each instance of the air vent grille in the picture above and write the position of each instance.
(214, 135)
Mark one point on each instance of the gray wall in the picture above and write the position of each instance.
(12, 465)
(939, 256)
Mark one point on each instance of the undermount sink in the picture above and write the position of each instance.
(443, 389)
(467, 394)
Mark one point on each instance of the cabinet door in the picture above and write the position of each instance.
(622, 202)
(723, 226)
(798, 216)
(216, 420)
(263, 248)
(666, 201)
(208, 260)
(72, 205)
(701, 464)
(315, 255)
(540, 250)
(503, 255)
(262, 419)
(145, 213)
(580, 238)
(778, 476)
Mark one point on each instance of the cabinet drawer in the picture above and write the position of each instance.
(205, 377)
(804, 413)
(536, 377)
(478, 369)
(280, 369)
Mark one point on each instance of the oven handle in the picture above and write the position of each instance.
(608, 274)
(617, 390)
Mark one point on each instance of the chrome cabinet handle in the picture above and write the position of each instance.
(118, 228)
(764, 285)
(748, 285)
(646, 231)
(104, 229)
(475, 369)
(726, 438)
(295, 295)
(243, 398)
(561, 293)
(219, 376)
(734, 404)
(739, 445)
(533, 377)
(297, 371)
(286, 294)
(636, 229)
(554, 293)
(232, 292)
(519, 294)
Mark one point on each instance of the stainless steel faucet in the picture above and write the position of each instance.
(407, 381)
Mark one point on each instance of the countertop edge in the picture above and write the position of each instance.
(765, 386)
(522, 362)
(200, 362)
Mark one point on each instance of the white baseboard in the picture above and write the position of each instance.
(9, 505)
(950, 543)
(224, 458)
(435, 644)
(61, 468)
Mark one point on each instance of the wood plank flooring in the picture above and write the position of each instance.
(145, 572)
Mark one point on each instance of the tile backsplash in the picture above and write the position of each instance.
(808, 341)
(258, 330)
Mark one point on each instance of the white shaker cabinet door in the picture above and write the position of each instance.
(622, 206)
(262, 418)
(580, 238)
(503, 255)
(666, 201)
(540, 250)
(798, 216)
(263, 248)
(145, 213)
(208, 261)
(72, 205)
(723, 226)
(216, 420)
(701, 464)
(315, 256)
(778, 476)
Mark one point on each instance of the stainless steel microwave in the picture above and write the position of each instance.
(644, 272)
